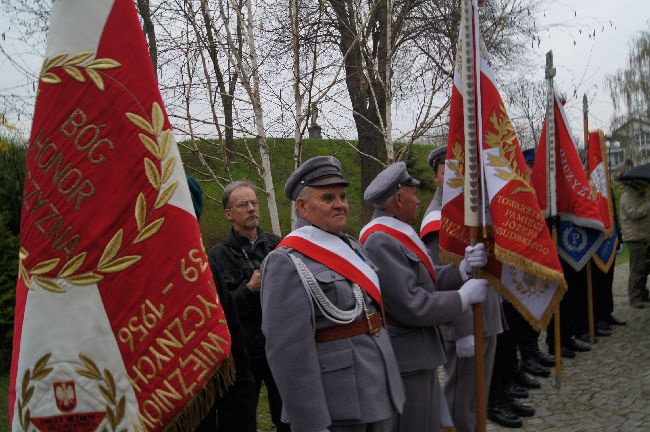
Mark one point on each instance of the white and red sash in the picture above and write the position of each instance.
(332, 252)
(403, 233)
(430, 223)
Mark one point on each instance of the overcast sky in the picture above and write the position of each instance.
(583, 66)
(582, 62)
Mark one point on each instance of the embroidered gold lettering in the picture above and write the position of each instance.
(181, 331)
(207, 305)
(198, 364)
(170, 393)
(184, 388)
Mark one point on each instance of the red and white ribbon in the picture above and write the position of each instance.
(430, 223)
(334, 253)
(403, 233)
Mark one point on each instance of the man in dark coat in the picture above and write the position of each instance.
(234, 408)
(237, 260)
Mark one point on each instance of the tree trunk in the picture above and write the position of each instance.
(259, 121)
(147, 25)
(367, 96)
(387, 72)
(226, 95)
(297, 149)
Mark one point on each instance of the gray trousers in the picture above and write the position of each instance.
(380, 426)
(460, 386)
(639, 269)
(422, 407)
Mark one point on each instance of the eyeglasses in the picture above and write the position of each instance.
(245, 204)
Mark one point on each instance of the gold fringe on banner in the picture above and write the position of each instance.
(538, 324)
(449, 257)
(606, 266)
(198, 407)
(530, 266)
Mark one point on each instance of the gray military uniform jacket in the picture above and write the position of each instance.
(346, 381)
(464, 324)
(417, 302)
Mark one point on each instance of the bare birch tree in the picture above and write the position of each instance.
(250, 80)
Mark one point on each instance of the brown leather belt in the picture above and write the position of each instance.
(370, 324)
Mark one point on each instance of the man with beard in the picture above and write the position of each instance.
(322, 315)
(237, 260)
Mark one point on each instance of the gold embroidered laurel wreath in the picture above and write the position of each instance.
(113, 258)
(115, 408)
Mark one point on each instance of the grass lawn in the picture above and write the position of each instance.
(264, 423)
(624, 256)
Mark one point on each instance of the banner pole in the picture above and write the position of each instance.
(479, 350)
(590, 290)
(551, 199)
(470, 75)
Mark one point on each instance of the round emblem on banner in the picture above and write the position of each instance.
(574, 239)
(528, 284)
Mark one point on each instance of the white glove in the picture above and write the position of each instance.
(475, 256)
(473, 291)
(465, 347)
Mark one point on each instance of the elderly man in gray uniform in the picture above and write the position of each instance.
(418, 297)
(460, 385)
(326, 345)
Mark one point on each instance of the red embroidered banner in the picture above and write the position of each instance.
(522, 260)
(577, 200)
(118, 325)
(598, 173)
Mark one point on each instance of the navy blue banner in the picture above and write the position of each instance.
(604, 256)
(576, 244)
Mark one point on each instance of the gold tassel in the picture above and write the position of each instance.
(199, 406)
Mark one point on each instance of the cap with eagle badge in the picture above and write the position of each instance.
(314, 172)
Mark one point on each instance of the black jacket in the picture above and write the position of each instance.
(236, 409)
(235, 259)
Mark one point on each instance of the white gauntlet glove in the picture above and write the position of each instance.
(465, 347)
(475, 256)
(473, 291)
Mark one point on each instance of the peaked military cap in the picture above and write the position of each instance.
(388, 182)
(529, 155)
(317, 171)
(436, 155)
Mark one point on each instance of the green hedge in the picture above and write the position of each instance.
(12, 175)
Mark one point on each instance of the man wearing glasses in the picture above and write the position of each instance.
(238, 259)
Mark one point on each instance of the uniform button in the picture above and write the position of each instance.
(322, 365)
